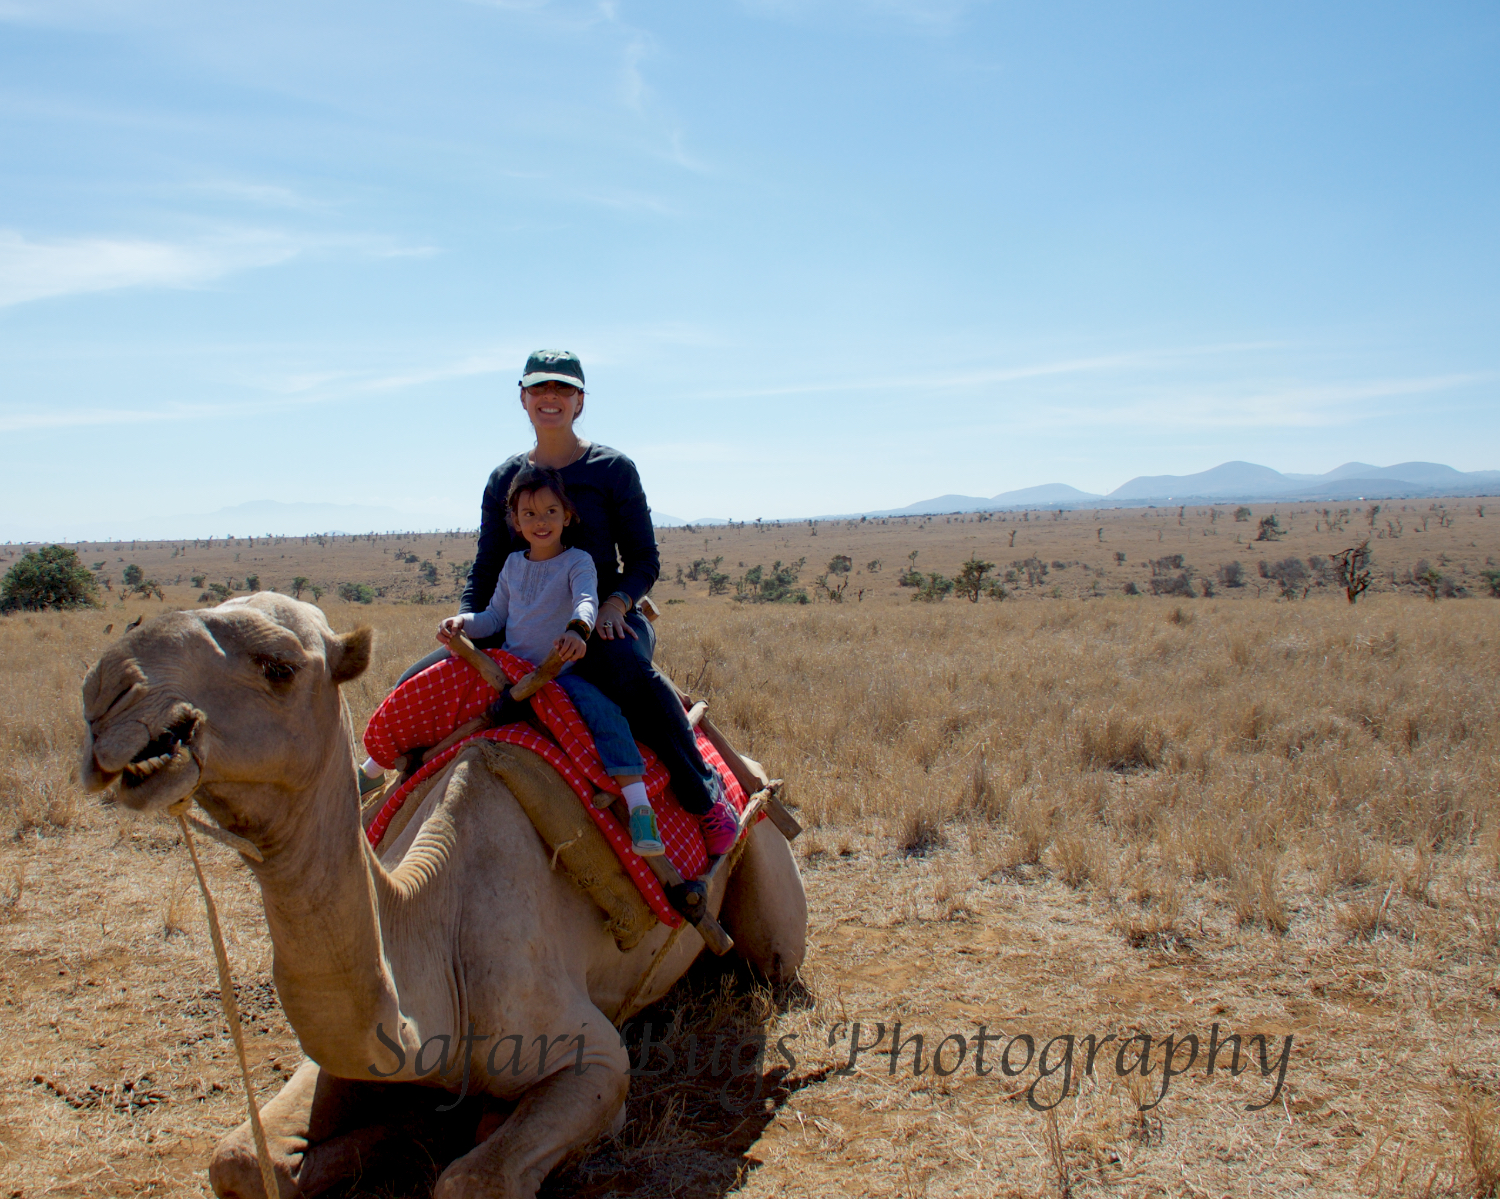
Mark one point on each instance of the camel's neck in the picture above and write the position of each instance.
(320, 883)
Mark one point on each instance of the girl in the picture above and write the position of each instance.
(540, 590)
(615, 531)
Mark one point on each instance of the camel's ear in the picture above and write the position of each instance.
(349, 655)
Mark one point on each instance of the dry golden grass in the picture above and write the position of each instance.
(1045, 815)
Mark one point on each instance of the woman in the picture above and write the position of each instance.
(615, 531)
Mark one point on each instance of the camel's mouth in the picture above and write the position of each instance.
(165, 749)
(165, 770)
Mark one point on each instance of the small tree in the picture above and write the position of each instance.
(874, 565)
(1352, 566)
(1289, 574)
(317, 592)
(775, 586)
(1492, 581)
(1429, 580)
(971, 578)
(132, 576)
(1270, 528)
(252, 582)
(198, 580)
(1232, 574)
(299, 585)
(356, 593)
(1242, 514)
(934, 588)
(840, 564)
(51, 577)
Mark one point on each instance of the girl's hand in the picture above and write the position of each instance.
(450, 628)
(570, 646)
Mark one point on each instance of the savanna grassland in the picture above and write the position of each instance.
(1070, 811)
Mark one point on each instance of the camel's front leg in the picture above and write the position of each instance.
(318, 1131)
(564, 1112)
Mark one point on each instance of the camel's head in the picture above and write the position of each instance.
(242, 696)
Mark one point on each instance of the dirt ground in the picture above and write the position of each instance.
(1060, 813)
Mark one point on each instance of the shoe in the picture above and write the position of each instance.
(721, 828)
(644, 837)
(368, 784)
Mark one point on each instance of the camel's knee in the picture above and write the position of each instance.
(234, 1169)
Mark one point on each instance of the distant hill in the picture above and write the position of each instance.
(1230, 478)
(1225, 482)
(1353, 480)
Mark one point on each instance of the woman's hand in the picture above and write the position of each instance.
(570, 646)
(612, 621)
(450, 628)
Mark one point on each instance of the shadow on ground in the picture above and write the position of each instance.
(709, 1085)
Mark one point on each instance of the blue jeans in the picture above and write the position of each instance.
(622, 669)
(605, 720)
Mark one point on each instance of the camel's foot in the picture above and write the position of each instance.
(321, 1132)
(234, 1170)
(560, 1115)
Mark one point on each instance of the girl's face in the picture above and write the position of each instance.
(541, 518)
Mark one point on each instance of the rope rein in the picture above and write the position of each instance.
(226, 981)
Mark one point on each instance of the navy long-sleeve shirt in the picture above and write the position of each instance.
(614, 530)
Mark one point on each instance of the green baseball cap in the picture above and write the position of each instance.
(553, 366)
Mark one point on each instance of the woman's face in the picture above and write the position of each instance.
(552, 405)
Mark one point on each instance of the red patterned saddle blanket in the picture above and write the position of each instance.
(429, 706)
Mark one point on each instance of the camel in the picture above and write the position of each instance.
(469, 963)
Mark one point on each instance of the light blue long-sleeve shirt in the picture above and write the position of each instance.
(534, 601)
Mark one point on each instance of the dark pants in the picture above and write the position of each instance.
(623, 670)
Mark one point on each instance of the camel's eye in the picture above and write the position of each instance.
(275, 670)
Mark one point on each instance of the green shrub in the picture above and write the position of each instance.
(971, 578)
(1270, 528)
(936, 587)
(51, 577)
(356, 593)
(775, 586)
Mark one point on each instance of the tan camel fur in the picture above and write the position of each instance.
(386, 966)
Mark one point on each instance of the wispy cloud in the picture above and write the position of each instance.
(1293, 405)
(627, 201)
(273, 394)
(980, 376)
(263, 195)
(322, 386)
(36, 270)
(932, 16)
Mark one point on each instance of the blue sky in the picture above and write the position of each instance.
(816, 256)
